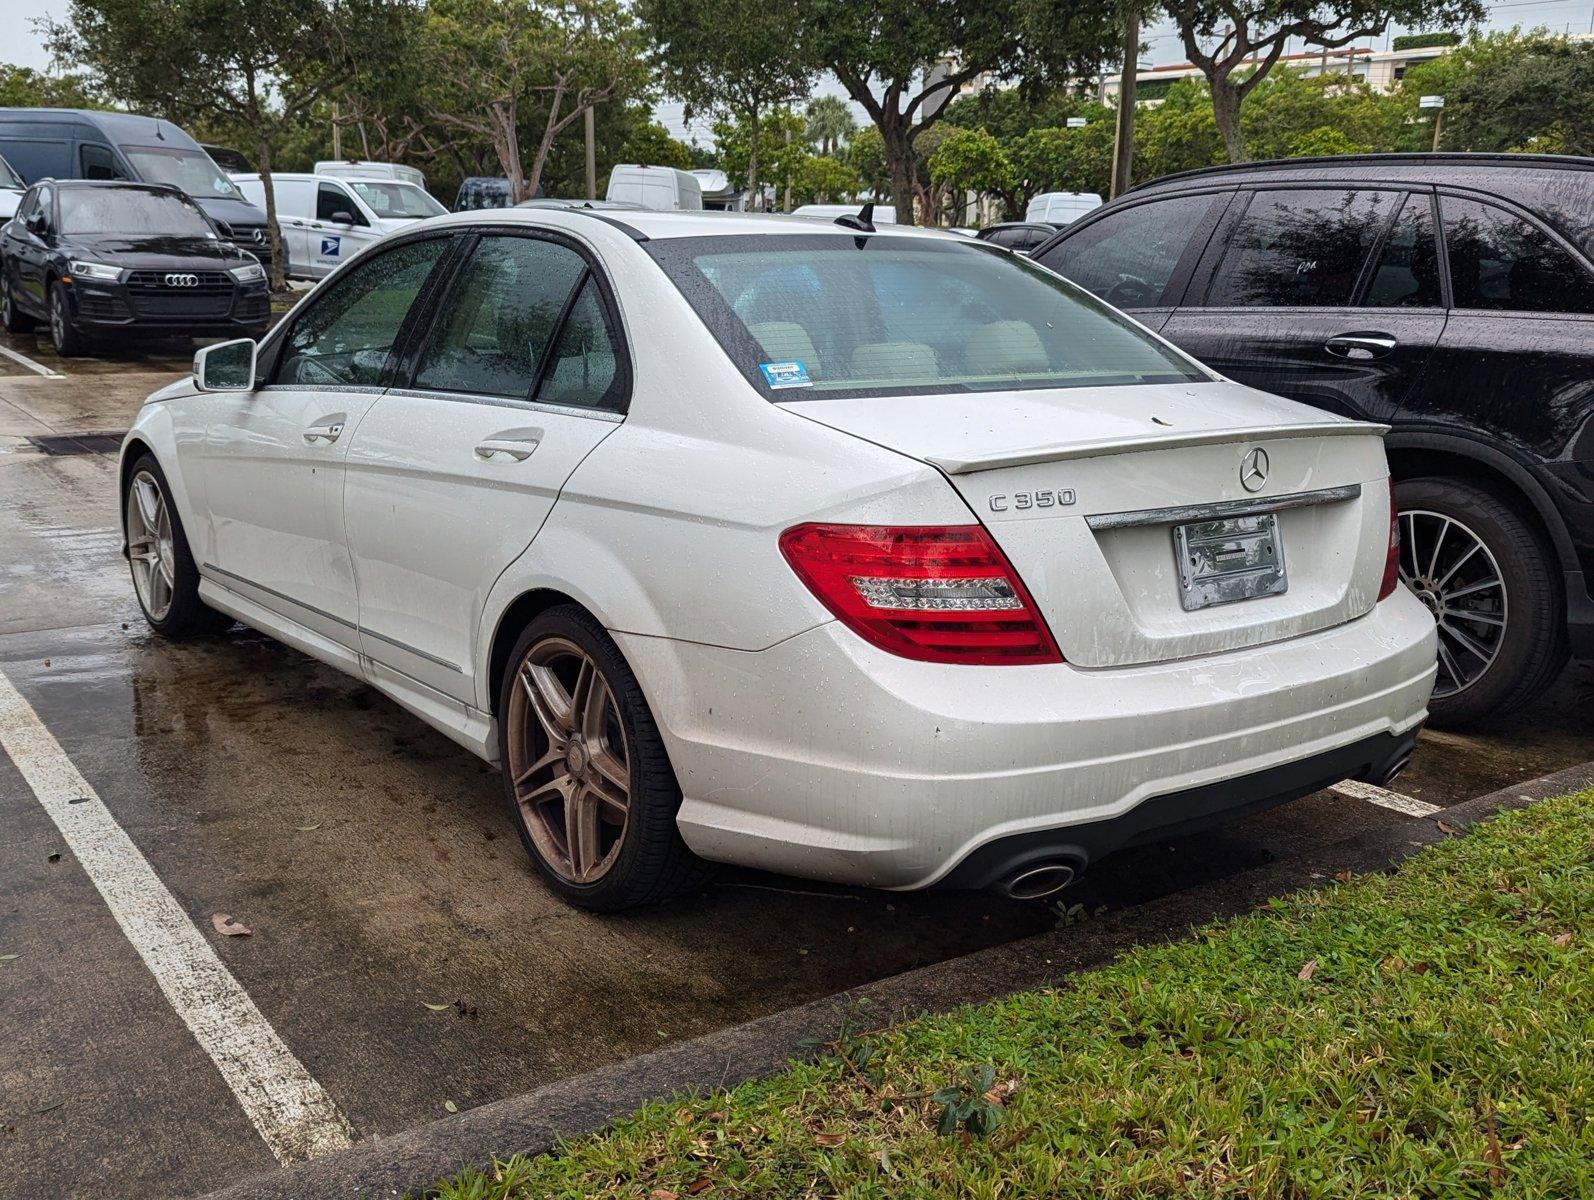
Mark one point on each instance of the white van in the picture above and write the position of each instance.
(884, 214)
(351, 168)
(662, 188)
(325, 220)
(1060, 208)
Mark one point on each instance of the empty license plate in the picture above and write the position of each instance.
(1237, 558)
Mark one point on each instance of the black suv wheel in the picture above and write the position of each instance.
(1495, 589)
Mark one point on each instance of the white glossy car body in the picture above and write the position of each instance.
(400, 553)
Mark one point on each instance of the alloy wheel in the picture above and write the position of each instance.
(569, 760)
(150, 549)
(57, 322)
(1455, 575)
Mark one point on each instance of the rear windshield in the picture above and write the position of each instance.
(191, 170)
(824, 316)
(124, 210)
(397, 200)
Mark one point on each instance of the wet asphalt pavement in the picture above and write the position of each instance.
(378, 870)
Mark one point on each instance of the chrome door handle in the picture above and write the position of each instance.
(327, 433)
(518, 449)
(1370, 345)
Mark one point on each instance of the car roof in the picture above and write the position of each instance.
(653, 224)
(1415, 164)
(131, 128)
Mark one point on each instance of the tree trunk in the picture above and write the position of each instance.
(1123, 145)
(754, 196)
(506, 143)
(899, 163)
(279, 278)
(1226, 111)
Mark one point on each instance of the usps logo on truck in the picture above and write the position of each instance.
(330, 246)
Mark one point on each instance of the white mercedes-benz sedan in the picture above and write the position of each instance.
(876, 556)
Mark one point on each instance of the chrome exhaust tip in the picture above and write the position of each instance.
(1037, 882)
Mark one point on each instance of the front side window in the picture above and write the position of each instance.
(398, 200)
(1408, 269)
(1498, 261)
(97, 162)
(1300, 248)
(499, 317)
(1128, 258)
(347, 336)
(330, 200)
(131, 211)
(191, 171)
(811, 316)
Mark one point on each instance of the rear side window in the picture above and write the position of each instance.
(585, 364)
(497, 321)
(1499, 261)
(1299, 248)
(346, 338)
(1408, 269)
(1128, 258)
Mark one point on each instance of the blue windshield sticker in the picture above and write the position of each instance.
(785, 374)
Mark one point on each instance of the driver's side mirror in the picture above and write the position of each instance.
(342, 218)
(228, 367)
(37, 224)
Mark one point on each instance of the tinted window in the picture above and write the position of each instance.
(1408, 270)
(1498, 261)
(131, 210)
(1299, 248)
(585, 363)
(499, 317)
(1128, 257)
(824, 315)
(331, 200)
(97, 162)
(345, 338)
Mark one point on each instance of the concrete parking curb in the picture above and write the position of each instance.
(533, 1122)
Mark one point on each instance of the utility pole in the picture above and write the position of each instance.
(589, 125)
(1123, 142)
(1437, 104)
(337, 134)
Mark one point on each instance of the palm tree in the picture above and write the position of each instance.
(830, 123)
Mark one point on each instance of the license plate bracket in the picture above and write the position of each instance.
(1229, 559)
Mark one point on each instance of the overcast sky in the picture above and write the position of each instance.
(1575, 16)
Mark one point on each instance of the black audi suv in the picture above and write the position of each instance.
(1450, 296)
(99, 261)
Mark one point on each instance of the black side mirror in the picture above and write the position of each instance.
(342, 218)
(37, 224)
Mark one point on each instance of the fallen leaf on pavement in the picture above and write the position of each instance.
(1307, 971)
(436, 1007)
(450, 1106)
(227, 927)
(1451, 830)
(308, 828)
(8, 957)
(1562, 939)
(1342, 876)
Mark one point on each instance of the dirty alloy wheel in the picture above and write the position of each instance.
(11, 317)
(64, 333)
(1494, 588)
(585, 773)
(165, 578)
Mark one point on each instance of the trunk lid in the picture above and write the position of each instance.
(1085, 488)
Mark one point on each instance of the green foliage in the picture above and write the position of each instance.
(967, 1106)
(782, 148)
(1288, 110)
(1421, 41)
(830, 123)
(1421, 1033)
(822, 179)
(972, 160)
(866, 154)
(23, 87)
(1324, 141)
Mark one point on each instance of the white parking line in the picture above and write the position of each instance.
(22, 360)
(294, 1115)
(1385, 799)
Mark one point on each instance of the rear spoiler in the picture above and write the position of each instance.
(1061, 451)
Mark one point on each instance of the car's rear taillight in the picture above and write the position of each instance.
(939, 593)
(1392, 556)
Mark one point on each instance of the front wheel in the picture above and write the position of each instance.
(585, 773)
(65, 336)
(165, 578)
(1495, 588)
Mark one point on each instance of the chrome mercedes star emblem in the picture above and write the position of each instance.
(1253, 470)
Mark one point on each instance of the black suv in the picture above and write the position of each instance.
(97, 260)
(1448, 295)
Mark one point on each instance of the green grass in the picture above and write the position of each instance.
(1442, 1046)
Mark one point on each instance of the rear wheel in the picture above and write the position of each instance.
(65, 336)
(12, 317)
(585, 773)
(1493, 584)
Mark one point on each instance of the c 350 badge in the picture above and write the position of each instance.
(1047, 498)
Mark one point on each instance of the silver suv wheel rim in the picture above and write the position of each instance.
(57, 322)
(149, 546)
(1450, 570)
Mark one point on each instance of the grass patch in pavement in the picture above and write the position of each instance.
(1424, 1033)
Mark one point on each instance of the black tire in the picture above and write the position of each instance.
(69, 341)
(12, 317)
(188, 615)
(1532, 649)
(653, 864)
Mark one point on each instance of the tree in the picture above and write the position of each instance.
(781, 147)
(260, 64)
(821, 179)
(972, 160)
(830, 123)
(23, 87)
(735, 58)
(1236, 43)
(492, 59)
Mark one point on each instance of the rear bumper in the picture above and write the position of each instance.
(827, 758)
